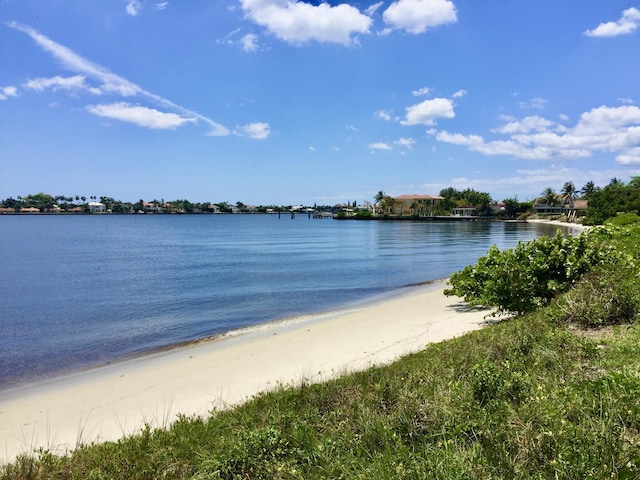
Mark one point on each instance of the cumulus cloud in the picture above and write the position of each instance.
(8, 91)
(416, 16)
(427, 112)
(141, 116)
(602, 129)
(625, 25)
(106, 81)
(298, 22)
(257, 130)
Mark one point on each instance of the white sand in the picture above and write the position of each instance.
(113, 401)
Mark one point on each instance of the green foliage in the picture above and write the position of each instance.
(612, 200)
(606, 296)
(521, 279)
(363, 214)
(623, 219)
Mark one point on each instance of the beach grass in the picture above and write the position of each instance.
(538, 396)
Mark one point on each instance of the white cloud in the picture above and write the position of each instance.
(625, 25)
(526, 125)
(8, 91)
(427, 112)
(110, 82)
(298, 22)
(407, 143)
(373, 8)
(626, 101)
(537, 103)
(257, 130)
(76, 82)
(416, 16)
(421, 91)
(133, 7)
(141, 116)
(249, 42)
(602, 129)
(460, 93)
(379, 146)
(383, 115)
(162, 5)
(630, 157)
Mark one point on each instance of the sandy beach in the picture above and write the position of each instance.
(113, 401)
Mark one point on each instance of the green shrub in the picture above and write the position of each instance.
(624, 219)
(521, 279)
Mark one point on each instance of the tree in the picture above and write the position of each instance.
(569, 193)
(549, 196)
(589, 189)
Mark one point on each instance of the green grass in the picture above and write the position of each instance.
(531, 397)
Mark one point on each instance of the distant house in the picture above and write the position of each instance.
(410, 205)
(97, 207)
(7, 210)
(570, 208)
(29, 210)
(464, 211)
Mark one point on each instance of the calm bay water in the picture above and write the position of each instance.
(81, 291)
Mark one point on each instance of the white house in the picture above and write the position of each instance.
(97, 207)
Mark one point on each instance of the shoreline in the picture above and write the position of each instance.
(578, 227)
(121, 398)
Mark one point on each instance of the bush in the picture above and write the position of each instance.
(604, 296)
(521, 279)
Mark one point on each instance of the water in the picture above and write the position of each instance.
(80, 291)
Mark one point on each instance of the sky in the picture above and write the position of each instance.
(276, 102)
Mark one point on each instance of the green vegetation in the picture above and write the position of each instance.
(523, 278)
(537, 396)
(612, 200)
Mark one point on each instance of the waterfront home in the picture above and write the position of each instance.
(464, 211)
(97, 207)
(569, 207)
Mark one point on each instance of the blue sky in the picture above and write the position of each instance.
(289, 102)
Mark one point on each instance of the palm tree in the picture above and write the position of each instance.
(379, 198)
(588, 189)
(569, 193)
(615, 181)
(549, 196)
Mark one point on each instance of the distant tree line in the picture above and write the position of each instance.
(47, 203)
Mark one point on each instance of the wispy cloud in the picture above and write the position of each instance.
(107, 82)
(379, 146)
(407, 143)
(625, 25)
(602, 129)
(133, 7)
(139, 115)
(257, 130)
(421, 91)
